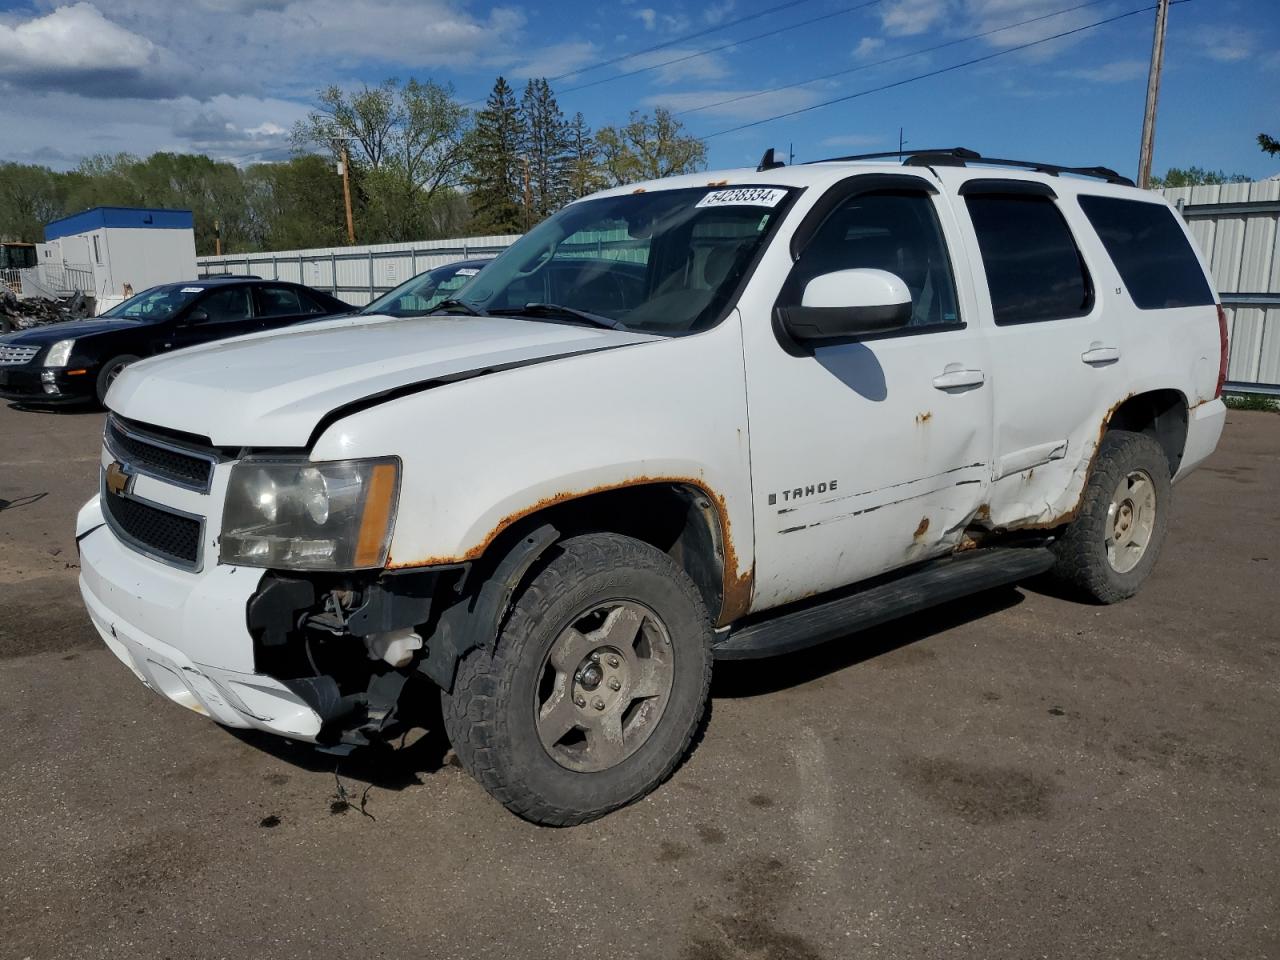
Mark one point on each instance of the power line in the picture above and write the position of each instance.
(887, 60)
(723, 46)
(681, 39)
(931, 73)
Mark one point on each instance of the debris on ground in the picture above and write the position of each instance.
(343, 800)
(25, 313)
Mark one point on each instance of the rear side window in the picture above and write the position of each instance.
(1034, 268)
(1151, 252)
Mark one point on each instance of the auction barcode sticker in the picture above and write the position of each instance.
(744, 197)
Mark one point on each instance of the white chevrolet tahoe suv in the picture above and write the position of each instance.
(716, 416)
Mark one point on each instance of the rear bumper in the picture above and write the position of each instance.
(1204, 429)
(184, 634)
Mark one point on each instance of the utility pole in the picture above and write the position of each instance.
(217, 238)
(1153, 95)
(901, 143)
(346, 194)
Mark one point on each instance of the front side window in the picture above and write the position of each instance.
(665, 262)
(157, 303)
(895, 231)
(1151, 252)
(1034, 268)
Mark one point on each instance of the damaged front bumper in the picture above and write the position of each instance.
(205, 660)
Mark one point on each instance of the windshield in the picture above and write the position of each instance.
(418, 296)
(158, 303)
(665, 262)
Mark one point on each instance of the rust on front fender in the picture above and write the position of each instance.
(736, 588)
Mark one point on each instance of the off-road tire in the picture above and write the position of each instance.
(1081, 551)
(489, 716)
(105, 375)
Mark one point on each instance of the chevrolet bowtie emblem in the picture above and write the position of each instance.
(118, 478)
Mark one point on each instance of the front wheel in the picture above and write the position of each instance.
(595, 688)
(107, 375)
(1112, 545)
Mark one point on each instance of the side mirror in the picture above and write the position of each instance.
(195, 316)
(848, 303)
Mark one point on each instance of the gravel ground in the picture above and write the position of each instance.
(1017, 775)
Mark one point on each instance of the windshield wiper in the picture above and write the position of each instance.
(553, 309)
(467, 308)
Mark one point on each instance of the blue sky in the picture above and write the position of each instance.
(230, 77)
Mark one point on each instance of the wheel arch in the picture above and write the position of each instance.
(1162, 414)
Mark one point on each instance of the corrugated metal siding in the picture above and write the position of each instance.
(1241, 242)
(355, 274)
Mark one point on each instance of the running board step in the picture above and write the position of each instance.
(935, 583)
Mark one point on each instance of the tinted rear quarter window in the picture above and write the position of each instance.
(1034, 269)
(1151, 251)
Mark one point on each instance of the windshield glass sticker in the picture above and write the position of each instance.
(192, 290)
(467, 272)
(744, 197)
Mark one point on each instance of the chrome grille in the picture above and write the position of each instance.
(160, 458)
(159, 532)
(12, 354)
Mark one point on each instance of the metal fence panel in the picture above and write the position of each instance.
(1237, 226)
(355, 274)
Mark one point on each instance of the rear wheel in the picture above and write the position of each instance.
(107, 375)
(595, 688)
(1109, 550)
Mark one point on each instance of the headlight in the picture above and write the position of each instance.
(298, 515)
(59, 353)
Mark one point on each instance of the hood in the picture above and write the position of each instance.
(51, 333)
(272, 389)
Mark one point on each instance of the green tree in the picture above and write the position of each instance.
(1196, 177)
(495, 172)
(546, 145)
(30, 197)
(1269, 144)
(585, 174)
(406, 145)
(647, 148)
(296, 204)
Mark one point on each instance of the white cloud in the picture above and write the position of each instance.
(646, 15)
(904, 18)
(716, 13)
(1227, 44)
(1120, 71)
(868, 46)
(689, 67)
(755, 108)
(557, 60)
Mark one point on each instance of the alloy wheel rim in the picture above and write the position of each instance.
(1131, 520)
(604, 686)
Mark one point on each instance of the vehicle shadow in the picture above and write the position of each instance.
(421, 750)
(61, 408)
(752, 678)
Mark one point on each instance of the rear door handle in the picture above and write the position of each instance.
(956, 377)
(1098, 355)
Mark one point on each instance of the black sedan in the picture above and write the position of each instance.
(77, 361)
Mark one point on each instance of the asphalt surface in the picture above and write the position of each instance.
(1019, 775)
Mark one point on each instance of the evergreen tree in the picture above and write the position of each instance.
(585, 173)
(545, 137)
(495, 174)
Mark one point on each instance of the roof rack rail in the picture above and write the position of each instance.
(961, 156)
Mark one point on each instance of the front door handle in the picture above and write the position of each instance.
(956, 377)
(1097, 355)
